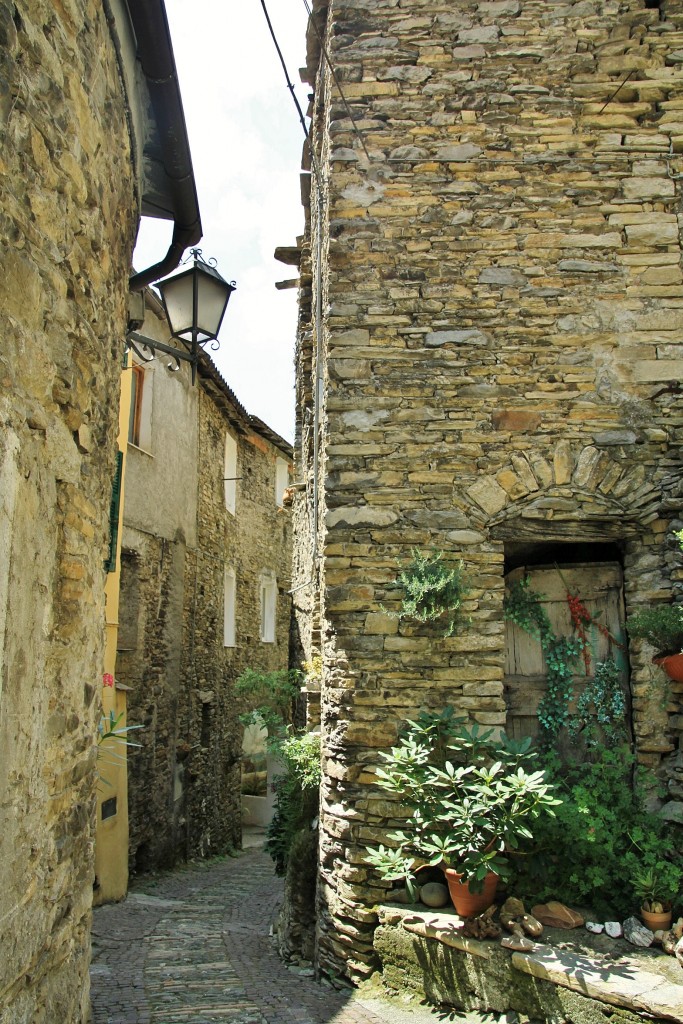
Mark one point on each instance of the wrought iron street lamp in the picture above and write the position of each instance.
(195, 301)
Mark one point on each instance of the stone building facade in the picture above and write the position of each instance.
(74, 115)
(69, 224)
(205, 543)
(491, 296)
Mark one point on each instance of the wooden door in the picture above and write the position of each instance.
(600, 587)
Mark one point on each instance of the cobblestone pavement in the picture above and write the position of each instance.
(193, 946)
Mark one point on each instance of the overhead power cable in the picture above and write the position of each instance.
(335, 78)
(290, 86)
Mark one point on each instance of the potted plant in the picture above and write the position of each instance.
(662, 627)
(470, 798)
(656, 888)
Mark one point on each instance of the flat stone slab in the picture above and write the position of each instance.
(446, 929)
(152, 901)
(618, 984)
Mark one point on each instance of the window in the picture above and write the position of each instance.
(268, 595)
(229, 608)
(281, 479)
(230, 473)
(140, 419)
(129, 602)
(114, 512)
(136, 390)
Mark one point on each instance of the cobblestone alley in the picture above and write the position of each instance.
(193, 946)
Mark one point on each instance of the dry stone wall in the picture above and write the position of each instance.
(68, 214)
(501, 349)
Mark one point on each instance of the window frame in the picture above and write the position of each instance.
(268, 607)
(136, 397)
(281, 479)
(230, 456)
(229, 603)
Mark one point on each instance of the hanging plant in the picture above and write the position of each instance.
(582, 618)
(523, 607)
(602, 703)
(432, 590)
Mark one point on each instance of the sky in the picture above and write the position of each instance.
(246, 142)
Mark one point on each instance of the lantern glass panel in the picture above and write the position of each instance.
(177, 293)
(212, 298)
(212, 294)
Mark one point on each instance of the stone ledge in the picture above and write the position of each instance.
(625, 985)
(425, 951)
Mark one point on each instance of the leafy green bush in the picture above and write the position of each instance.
(296, 794)
(268, 697)
(661, 625)
(472, 797)
(432, 589)
(599, 837)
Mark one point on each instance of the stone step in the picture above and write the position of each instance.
(617, 984)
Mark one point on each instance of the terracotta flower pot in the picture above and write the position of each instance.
(672, 665)
(469, 904)
(656, 922)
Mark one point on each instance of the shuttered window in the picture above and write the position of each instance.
(268, 602)
(229, 608)
(114, 509)
(230, 473)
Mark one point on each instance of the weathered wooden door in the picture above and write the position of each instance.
(600, 587)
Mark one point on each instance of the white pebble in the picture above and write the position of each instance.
(593, 926)
(614, 929)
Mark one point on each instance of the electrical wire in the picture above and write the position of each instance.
(318, 386)
(335, 78)
(290, 86)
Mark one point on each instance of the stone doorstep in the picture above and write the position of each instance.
(624, 984)
(618, 985)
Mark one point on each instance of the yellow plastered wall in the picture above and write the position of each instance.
(111, 842)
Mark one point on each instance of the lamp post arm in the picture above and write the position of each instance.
(158, 346)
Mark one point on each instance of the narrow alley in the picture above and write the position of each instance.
(193, 946)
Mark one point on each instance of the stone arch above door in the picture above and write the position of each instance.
(578, 484)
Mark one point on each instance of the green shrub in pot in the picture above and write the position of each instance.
(661, 625)
(471, 796)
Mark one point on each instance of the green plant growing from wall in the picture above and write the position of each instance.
(111, 736)
(601, 708)
(296, 794)
(432, 590)
(661, 625)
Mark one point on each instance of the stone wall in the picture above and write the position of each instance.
(68, 220)
(501, 289)
(184, 782)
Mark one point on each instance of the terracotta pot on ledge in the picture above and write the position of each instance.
(466, 903)
(656, 922)
(672, 664)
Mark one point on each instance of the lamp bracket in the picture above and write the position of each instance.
(134, 340)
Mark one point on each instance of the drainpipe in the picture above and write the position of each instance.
(155, 53)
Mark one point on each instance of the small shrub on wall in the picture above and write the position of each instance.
(433, 591)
